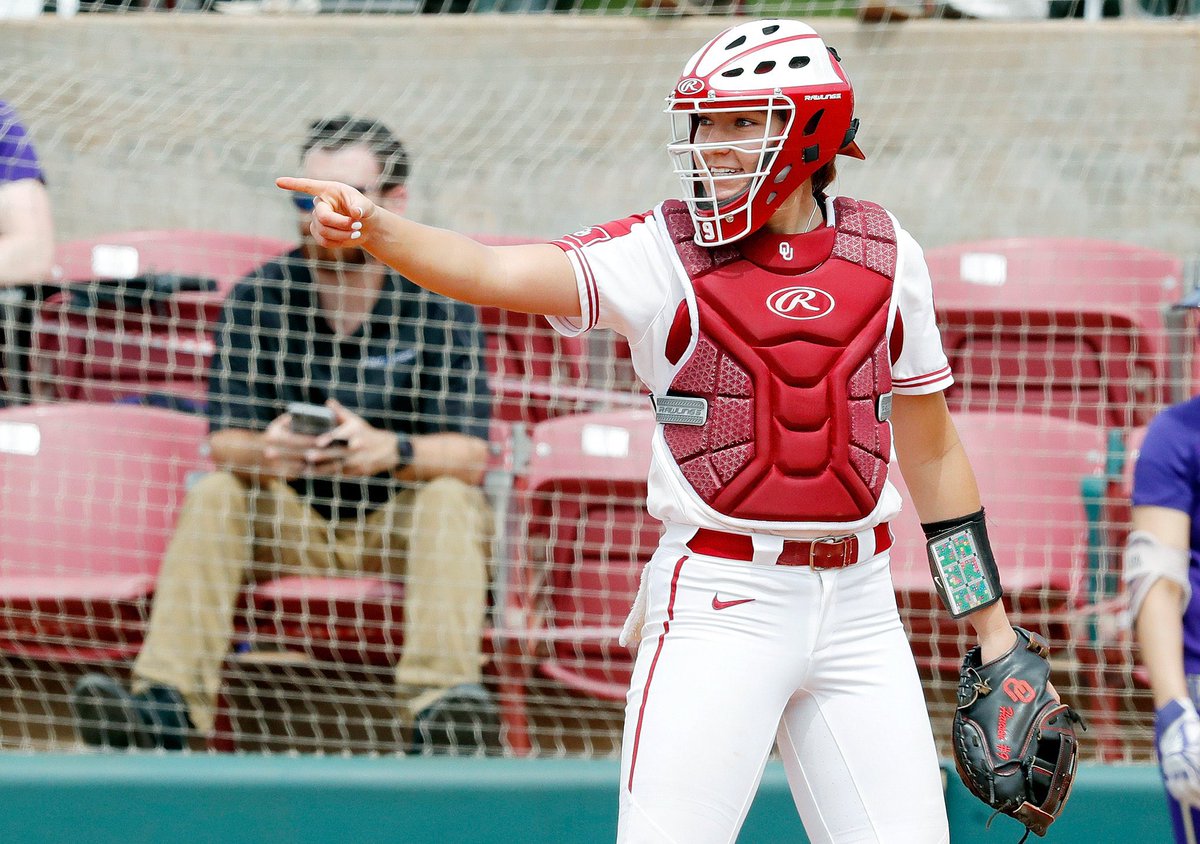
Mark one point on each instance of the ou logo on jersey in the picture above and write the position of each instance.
(800, 303)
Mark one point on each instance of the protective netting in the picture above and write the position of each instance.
(1048, 169)
(873, 11)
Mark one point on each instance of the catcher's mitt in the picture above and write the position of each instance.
(1014, 745)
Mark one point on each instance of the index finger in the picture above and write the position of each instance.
(312, 187)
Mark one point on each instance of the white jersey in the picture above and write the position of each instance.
(631, 280)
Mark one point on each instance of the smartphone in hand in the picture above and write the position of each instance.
(311, 419)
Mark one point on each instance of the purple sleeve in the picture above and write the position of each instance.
(1166, 476)
(17, 159)
(1166, 471)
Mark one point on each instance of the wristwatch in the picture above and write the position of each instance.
(404, 451)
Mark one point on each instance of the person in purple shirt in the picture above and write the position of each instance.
(26, 227)
(26, 246)
(1162, 568)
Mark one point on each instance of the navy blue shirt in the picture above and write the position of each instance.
(1167, 474)
(414, 366)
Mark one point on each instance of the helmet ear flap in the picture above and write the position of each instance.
(850, 133)
(849, 147)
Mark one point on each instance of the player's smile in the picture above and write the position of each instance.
(742, 137)
(729, 182)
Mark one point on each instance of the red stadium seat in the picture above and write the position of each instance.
(97, 349)
(534, 372)
(1068, 327)
(222, 256)
(1119, 505)
(1031, 472)
(1121, 681)
(342, 619)
(89, 495)
(583, 538)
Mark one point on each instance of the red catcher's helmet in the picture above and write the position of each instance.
(781, 67)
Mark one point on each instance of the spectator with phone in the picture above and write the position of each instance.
(349, 416)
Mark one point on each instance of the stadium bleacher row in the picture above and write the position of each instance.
(1062, 350)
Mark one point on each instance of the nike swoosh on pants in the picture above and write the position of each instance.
(718, 604)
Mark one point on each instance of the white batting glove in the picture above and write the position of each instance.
(1177, 739)
(631, 630)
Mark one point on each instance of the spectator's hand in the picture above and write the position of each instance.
(367, 450)
(340, 215)
(448, 454)
(284, 453)
(1177, 739)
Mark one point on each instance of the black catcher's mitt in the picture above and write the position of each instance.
(1014, 745)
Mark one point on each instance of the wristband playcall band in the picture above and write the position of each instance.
(963, 566)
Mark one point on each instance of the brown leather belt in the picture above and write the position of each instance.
(831, 553)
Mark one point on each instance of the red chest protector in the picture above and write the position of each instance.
(795, 373)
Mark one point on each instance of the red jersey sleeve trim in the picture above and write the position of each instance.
(922, 380)
(576, 244)
(590, 306)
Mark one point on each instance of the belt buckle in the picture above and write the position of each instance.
(827, 540)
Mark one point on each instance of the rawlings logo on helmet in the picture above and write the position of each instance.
(800, 303)
(690, 86)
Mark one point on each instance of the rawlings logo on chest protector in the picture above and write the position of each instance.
(793, 389)
(800, 303)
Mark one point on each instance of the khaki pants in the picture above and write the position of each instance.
(434, 534)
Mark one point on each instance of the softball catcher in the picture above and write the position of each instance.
(787, 336)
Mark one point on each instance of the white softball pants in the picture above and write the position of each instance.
(815, 661)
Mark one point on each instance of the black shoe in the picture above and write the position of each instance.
(463, 722)
(105, 714)
(164, 717)
(108, 716)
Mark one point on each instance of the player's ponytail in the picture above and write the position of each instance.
(822, 179)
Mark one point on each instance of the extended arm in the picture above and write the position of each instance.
(535, 278)
(942, 485)
(1156, 566)
(1159, 620)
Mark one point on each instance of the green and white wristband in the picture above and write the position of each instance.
(963, 566)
